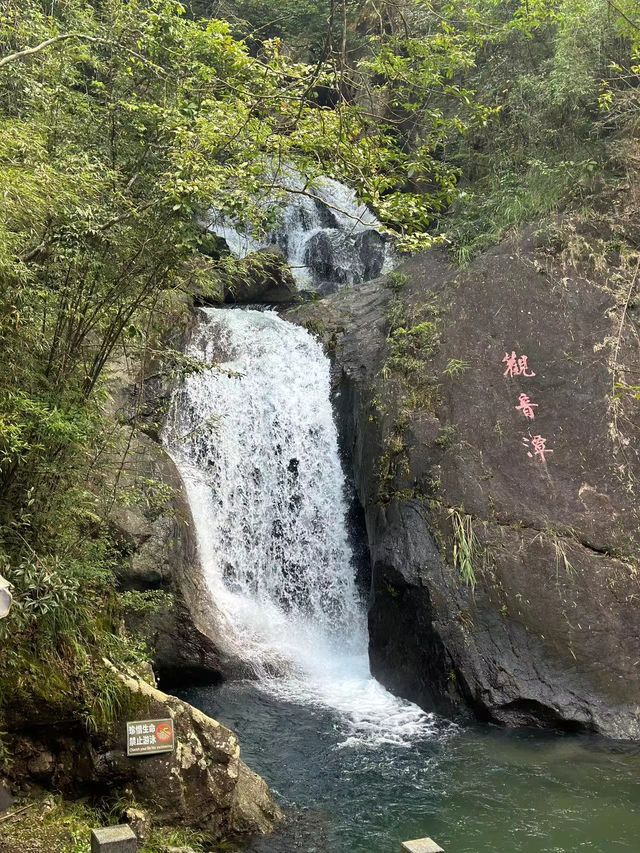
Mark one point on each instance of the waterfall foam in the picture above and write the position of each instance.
(256, 444)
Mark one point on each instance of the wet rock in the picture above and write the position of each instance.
(263, 278)
(370, 246)
(182, 628)
(329, 254)
(550, 633)
(303, 829)
(336, 258)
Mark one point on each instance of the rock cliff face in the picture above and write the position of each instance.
(503, 529)
(155, 530)
(182, 629)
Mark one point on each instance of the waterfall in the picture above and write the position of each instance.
(254, 438)
(329, 238)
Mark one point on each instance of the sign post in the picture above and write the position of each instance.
(150, 737)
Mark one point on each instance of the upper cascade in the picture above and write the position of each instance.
(328, 237)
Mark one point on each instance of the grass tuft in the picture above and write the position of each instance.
(465, 546)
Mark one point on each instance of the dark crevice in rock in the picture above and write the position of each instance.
(597, 549)
(531, 713)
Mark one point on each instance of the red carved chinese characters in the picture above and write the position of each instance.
(538, 445)
(526, 406)
(516, 365)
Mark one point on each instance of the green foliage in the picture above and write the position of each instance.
(396, 280)
(420, 100)
(456, 121)
(632, 390)
(385, 81)
(544, 74)
(456, 367)
(405, 385)
(146, 601)
(232, 275)
(163, 838)
(63, 826)
(63, 618)
(501, 202)
(124, 125)
(302, 23)
(115, 138)
(409, 347)
(54, 824)
(581, 36)
(152, 495)
(413, 337)
(446, 436)
(465, 546)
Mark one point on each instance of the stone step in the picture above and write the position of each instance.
(422, 845)
(114, 839)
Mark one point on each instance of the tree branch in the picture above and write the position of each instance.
(29, 51)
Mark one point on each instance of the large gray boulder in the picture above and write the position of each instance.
(336, 257)
(202, 784)
(445, 465)
(261, 278)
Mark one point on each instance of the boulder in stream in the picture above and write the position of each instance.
(262, 277)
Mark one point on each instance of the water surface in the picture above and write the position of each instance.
(474, 790)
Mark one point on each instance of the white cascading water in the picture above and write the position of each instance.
(256, 444)
(329, 238)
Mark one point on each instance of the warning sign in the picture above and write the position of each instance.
(148, 737)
